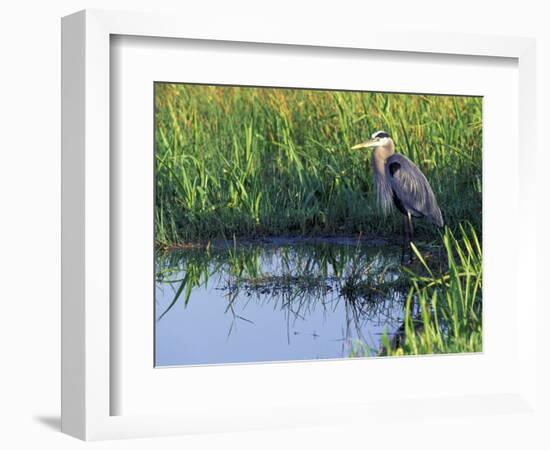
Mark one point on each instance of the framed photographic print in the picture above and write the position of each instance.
(256, 222)
(275, 239)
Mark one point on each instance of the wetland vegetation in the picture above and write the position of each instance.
(269, 242)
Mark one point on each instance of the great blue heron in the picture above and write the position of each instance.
(400, 182)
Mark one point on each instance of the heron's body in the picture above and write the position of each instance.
(400, 184)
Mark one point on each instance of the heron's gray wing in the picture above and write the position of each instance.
(411, 188)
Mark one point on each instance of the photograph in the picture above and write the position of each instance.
(299, 224)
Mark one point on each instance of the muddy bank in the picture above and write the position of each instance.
(277, 241)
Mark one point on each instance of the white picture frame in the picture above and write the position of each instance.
(88, 325)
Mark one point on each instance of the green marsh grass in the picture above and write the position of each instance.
(443, 312)
(249, 162)
(234, 163)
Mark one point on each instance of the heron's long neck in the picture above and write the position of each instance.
(383, 189)
(378, 161)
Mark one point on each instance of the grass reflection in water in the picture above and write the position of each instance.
(356, 285)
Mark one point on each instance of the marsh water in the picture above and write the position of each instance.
(276, 300)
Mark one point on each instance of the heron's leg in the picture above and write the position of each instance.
(410, 235)
(406, 238)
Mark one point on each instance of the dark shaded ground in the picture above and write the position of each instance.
(285, 241)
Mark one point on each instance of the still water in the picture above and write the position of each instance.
(276, 301)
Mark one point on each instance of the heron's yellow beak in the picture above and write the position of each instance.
(369, 143)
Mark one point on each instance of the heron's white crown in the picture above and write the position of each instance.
(380, 134)
(380, 138)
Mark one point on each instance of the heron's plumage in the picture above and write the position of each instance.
(411, 187)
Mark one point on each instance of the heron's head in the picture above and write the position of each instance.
(378, 139)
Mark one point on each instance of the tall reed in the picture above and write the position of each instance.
(443, 312)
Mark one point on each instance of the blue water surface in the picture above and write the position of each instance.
(265, 303)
